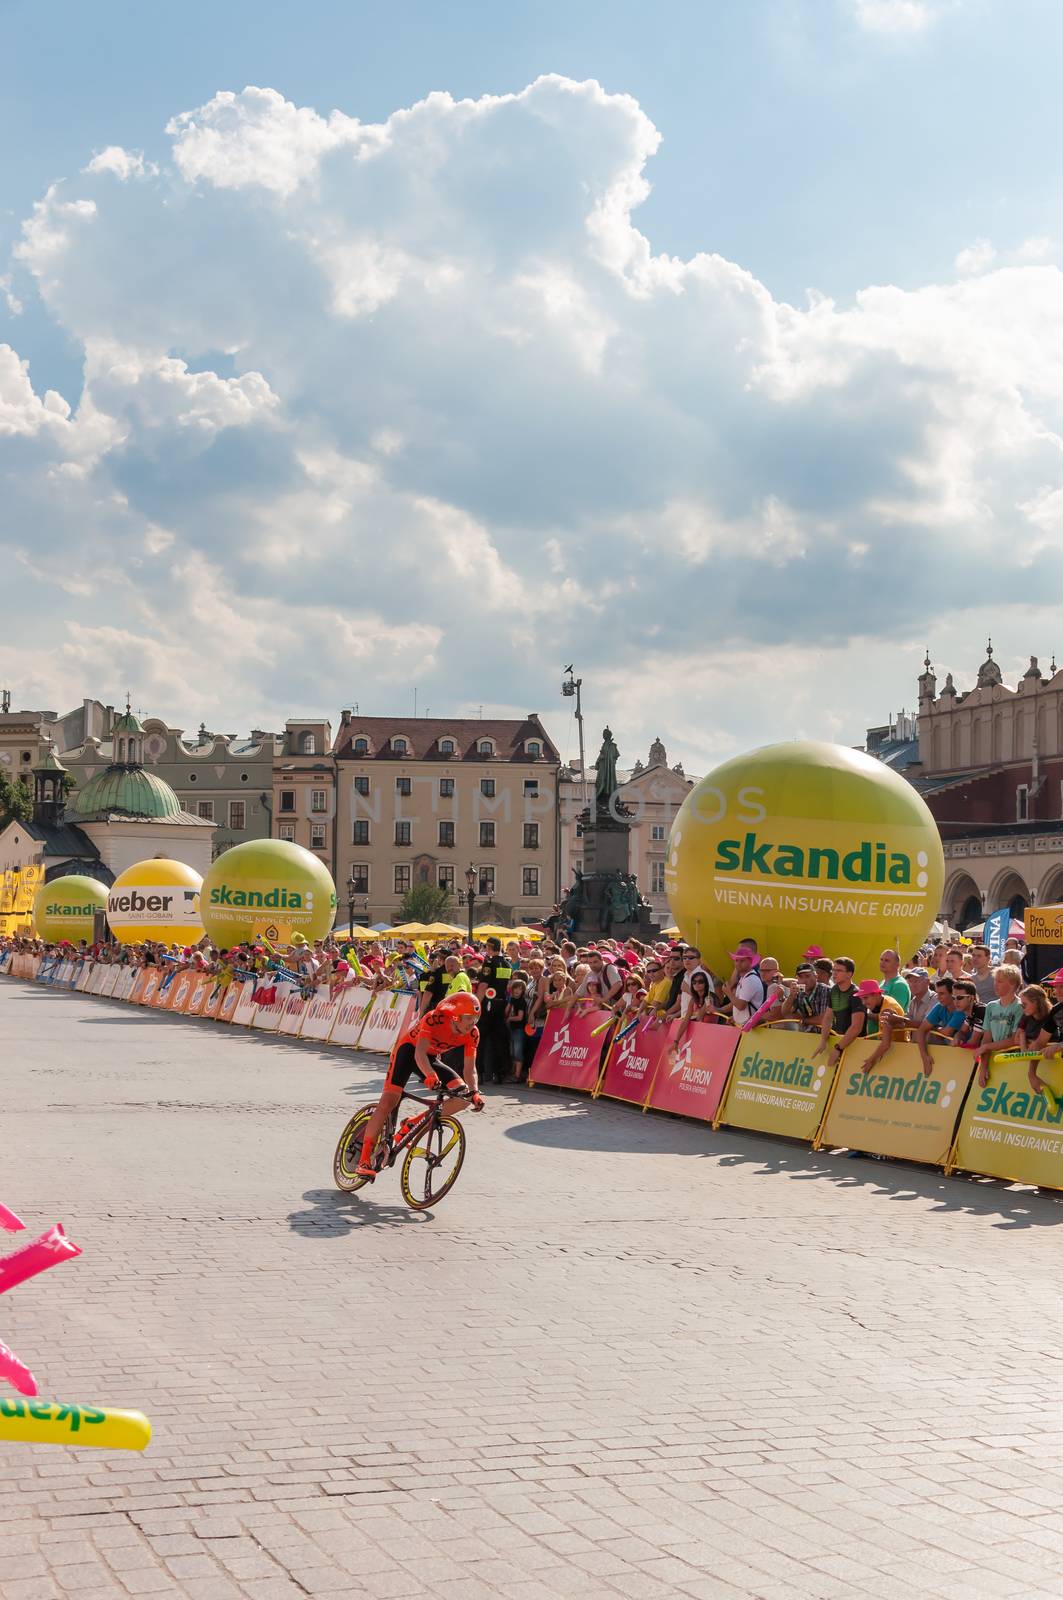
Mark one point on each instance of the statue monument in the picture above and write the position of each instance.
(604, 897)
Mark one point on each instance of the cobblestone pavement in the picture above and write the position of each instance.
(625, 1357)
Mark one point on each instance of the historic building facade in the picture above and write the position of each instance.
(990, 767)
(219, 778)
(121, 815)
(304, 788)
(421, 799)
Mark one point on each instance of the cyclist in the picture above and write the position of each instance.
(448, 1027)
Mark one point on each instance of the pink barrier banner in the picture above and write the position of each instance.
(691, 1079)
(569, 1053)
(633, 1062)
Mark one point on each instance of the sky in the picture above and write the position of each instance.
(349, 350)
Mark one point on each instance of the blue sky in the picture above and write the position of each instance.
(817, 145)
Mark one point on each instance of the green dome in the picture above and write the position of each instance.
(129, 790)
(128, 723)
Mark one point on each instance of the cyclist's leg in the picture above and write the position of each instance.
(401, 1065)
(456, 1068)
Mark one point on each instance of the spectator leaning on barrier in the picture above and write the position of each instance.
(879, 1005)
(809, 1000)
(847, 1015)
(945, 1019)
(1001, 1018)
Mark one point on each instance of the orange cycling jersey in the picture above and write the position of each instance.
(438, 1035)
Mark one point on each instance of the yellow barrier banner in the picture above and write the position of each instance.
(777, 1084)
(1043, 924)
(1009, 1131)
(896, 1109)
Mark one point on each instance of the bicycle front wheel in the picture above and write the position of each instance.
(432, 1163)
(348, 1152)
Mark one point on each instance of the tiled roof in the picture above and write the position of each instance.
(66, 840)
(423, 734)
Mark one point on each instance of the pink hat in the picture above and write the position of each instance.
(745, 954)
(868, 987)
(814, 952)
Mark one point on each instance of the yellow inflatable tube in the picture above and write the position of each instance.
(53, 1422)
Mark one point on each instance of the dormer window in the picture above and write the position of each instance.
(399, 745)
(446, 747)
(484, 747)
(307, 744)
(360, 747)
(534, 749)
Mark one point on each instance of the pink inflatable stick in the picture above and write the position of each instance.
(9, 1221)
(755, 1018)
(18, 1375)
(47, 1251)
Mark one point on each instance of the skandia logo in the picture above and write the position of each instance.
(919, 1089)
(56, 908)
(1018, 1105)
(273, 899)
(766, 1069)
(870, 862)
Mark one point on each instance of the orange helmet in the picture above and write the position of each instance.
(461, 1005)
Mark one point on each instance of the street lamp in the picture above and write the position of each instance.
(468, 897)
(352, 895)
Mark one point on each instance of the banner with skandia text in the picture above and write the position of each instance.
(569, 1055)
(693, 1070)
(778, 1084)
(1009, 1130)
(896, 1109)
(633, 1062)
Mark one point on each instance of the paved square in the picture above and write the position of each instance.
(625, 1357)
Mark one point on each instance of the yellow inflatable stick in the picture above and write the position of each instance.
(52, 1422)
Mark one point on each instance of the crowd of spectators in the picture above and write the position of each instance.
(948, 994)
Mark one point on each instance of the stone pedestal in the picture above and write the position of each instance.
(605, 853)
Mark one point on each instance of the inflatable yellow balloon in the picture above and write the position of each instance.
(66, 908)
(801, 844)
(156, 899)
(270, 887)
(53, 1422)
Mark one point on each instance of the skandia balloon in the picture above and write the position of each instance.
(799, 842)
(156, 899)
(267, 888)
(66, 908)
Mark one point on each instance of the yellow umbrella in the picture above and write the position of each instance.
(491, 930)
(439, 929)
(359, 933)
(669, 933)
(527, 933)
(407, 930)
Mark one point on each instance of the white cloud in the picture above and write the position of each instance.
(897, 18)
(122, 164)
(372, 404)
(975, 258)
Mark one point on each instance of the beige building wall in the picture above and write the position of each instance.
(304, 788)
(20, 744)
(410, 811)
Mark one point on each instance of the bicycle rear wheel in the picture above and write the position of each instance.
(432, 1163)
(348, 1152)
